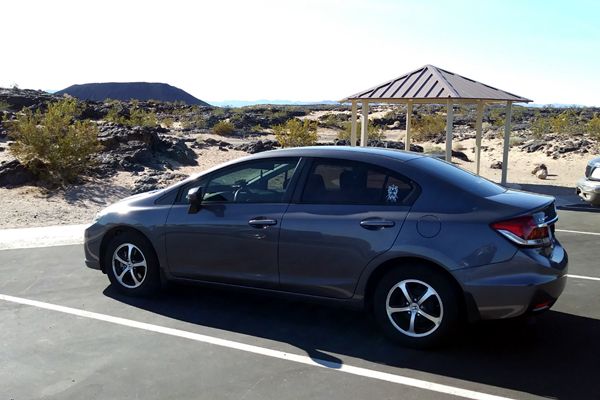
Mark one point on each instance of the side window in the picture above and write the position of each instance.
(260, 181)
(350, 182)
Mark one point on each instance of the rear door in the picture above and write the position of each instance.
(347, 213)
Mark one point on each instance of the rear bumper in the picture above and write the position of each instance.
(530, 282)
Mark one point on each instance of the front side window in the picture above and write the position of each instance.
(260, 181)
(350, 182)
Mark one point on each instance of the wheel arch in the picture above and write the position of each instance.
(465, 303)
(116, 231)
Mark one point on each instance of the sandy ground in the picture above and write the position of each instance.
(78, 204)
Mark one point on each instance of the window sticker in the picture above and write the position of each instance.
(392, 193)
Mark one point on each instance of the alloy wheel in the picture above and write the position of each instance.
(414, 308)
(129, 265)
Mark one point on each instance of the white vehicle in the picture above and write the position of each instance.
(588, 187)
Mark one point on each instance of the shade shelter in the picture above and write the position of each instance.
(433, 85)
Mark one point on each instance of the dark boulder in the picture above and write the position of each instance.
(389, 144)
(534, 146)
(460, 155)
(258, 146)
(134, 148)
(496, 165)
(177, 150)
(13, 173)
(17, 99)
(156, 180)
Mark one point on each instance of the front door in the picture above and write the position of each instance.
(349, 213)
(233, 237)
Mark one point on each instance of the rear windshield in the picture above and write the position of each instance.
(458, 177)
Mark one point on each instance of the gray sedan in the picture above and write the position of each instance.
(418, 242)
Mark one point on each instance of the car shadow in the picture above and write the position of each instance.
(556, 355)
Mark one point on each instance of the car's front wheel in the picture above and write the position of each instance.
(131, 265)
(416, 306)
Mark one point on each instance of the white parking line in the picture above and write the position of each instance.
(580, 232)
(364, 372)
(45, 236)
(591, 278)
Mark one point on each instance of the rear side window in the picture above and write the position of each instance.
(350, 182)
(458, 177)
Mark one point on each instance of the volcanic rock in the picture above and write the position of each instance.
(13, 173)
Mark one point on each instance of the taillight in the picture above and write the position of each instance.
(524, 231)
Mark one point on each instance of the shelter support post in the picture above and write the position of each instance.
(364, 137)
(353, 125)
(409, 109)
(449, 122)
(478, 129)
(508, 118)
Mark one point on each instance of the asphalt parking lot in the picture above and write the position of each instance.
(65, 334)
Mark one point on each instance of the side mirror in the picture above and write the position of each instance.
(194, 197)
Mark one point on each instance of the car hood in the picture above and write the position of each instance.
(594, 162)
(125, 205)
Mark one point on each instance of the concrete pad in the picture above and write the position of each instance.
(20, 238)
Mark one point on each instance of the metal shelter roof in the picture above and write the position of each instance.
(430, 83)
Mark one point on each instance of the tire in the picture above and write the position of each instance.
(131, 265)
(435, 319)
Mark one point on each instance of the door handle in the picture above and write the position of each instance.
(374, 224)
(262, 222)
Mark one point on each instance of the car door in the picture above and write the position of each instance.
(348, 212)
(233, 236)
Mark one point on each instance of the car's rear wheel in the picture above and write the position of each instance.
(131, 265)
(416, 306)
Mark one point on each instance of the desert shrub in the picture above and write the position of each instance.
(53, 145)
(140, 117)
(426, 127)
(4, 106)
(430, 149)
(541, 126)
(219, 112)
(593, 127)
(516, 141)
(373, 132)
(332, 120)
(195, 121)
(567, 123)
(295, 133)
(167, 122)
(257, 128)
(136, 115)
(223, 128)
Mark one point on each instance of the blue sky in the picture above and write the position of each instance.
(548, 51)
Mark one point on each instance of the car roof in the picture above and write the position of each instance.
(339, 151)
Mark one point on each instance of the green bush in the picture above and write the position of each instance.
(137, 115)
(373, 132)
(4, 106)
(223, 128)
(295, 133)
(593, 127)
(541, 126)
(566, 123)
(53, 145)
(426, 127)
(195, 121)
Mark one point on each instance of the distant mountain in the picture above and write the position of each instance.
(243, 103)
(130, 90)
